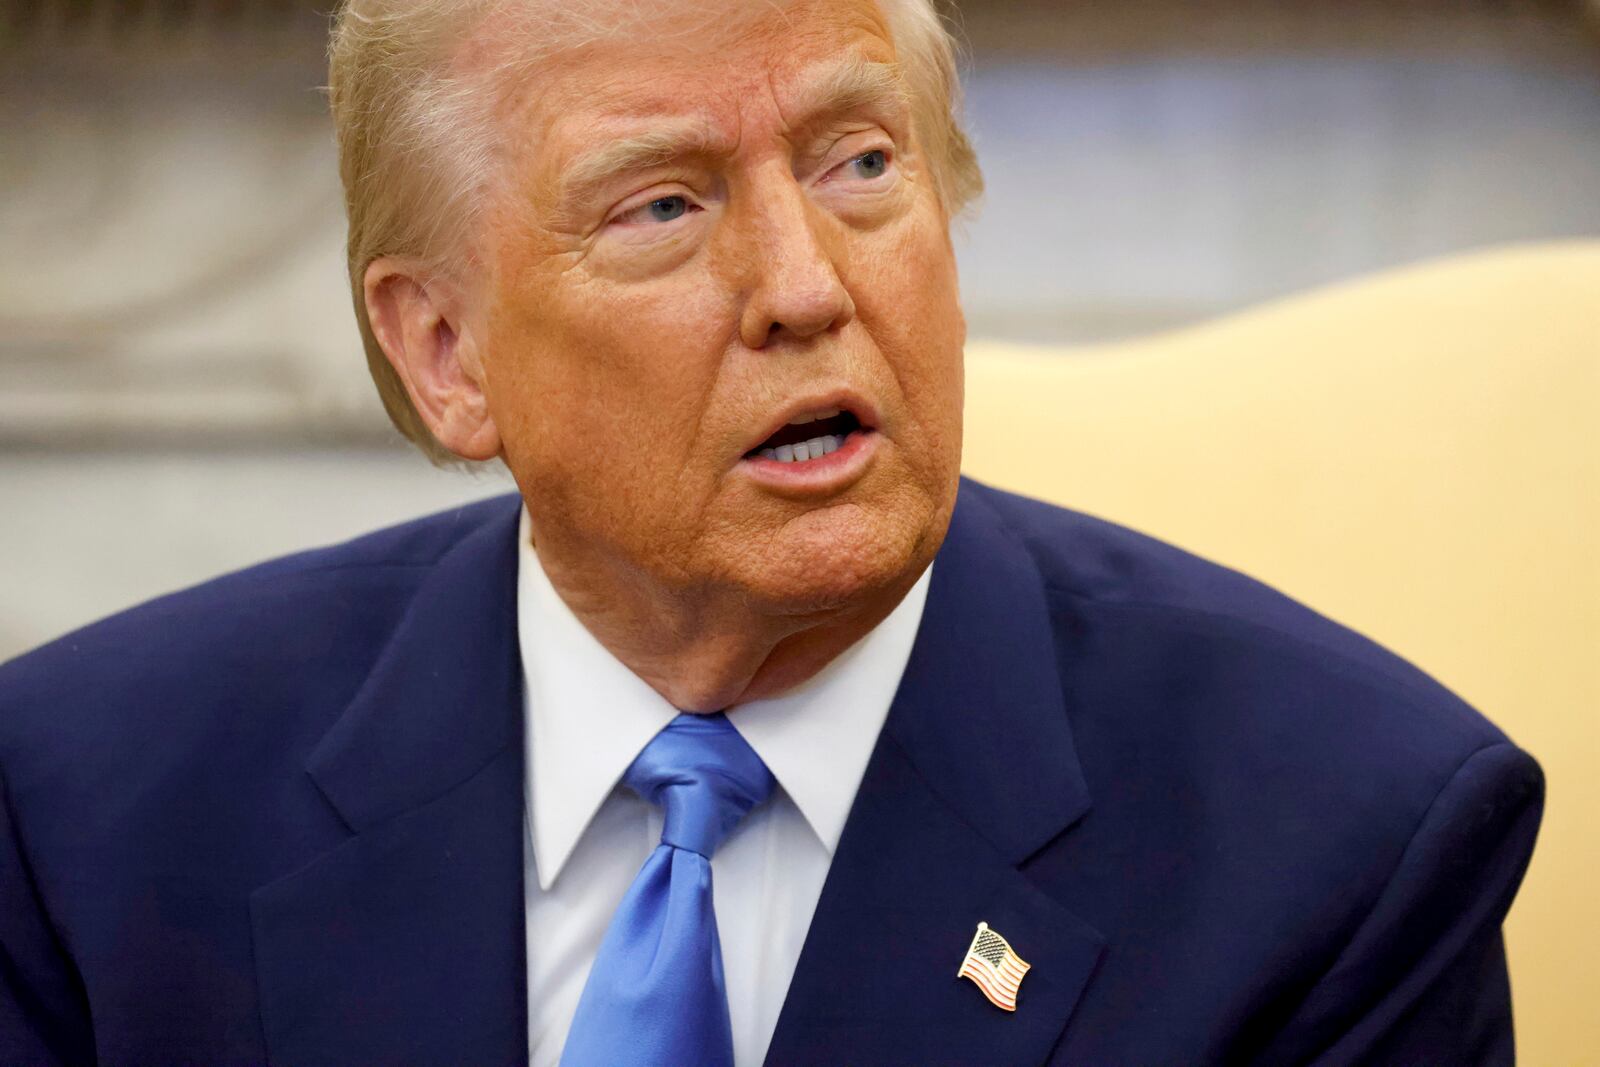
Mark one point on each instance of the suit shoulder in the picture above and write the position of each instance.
(244, 637)
(1204, 611)
(1302, 742)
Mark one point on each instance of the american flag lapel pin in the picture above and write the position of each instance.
(994, 967)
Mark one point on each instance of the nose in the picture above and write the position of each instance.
(791, 250)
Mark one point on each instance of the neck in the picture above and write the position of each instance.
(707, 650)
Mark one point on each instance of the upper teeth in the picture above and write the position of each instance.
(801, 451)
(801, 420)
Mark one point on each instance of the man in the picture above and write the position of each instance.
(980, 781)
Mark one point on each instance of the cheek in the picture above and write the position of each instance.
(913, 310)
(606, 382)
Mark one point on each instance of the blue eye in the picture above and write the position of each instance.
(871, 164)
(667, 208)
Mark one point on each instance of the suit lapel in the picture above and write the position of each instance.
(974, 771)
(405, 943)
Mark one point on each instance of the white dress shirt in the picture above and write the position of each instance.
(587, 718)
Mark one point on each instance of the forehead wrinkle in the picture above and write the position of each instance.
(607, 150)
(840, 87)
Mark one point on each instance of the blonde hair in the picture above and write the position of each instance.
(416, 147)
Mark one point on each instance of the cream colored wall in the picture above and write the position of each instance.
(1416, 455)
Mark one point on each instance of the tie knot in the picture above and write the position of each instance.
(704, 776)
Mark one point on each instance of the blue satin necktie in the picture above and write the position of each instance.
(656, 995)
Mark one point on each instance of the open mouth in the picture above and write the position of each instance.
(809, 437)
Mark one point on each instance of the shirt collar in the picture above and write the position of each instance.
(588, 716)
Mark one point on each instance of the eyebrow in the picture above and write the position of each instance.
(671, 139)
(852, 85)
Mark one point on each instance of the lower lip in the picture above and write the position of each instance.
(826, 474)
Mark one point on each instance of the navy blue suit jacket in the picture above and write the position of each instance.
(278, 818)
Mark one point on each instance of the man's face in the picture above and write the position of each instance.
(703, 237)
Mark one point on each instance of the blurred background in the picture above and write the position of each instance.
(182, 389)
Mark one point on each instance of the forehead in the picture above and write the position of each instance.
(708, 60)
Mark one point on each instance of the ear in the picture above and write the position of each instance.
(419, 321)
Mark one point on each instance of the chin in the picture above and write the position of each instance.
(842, 557)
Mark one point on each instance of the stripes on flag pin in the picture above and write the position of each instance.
(994, 968)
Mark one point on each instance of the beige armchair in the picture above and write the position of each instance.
(1416, 455)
